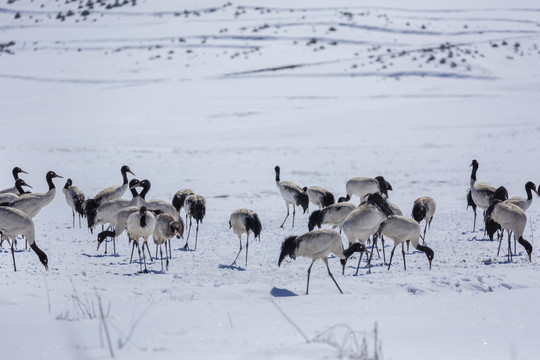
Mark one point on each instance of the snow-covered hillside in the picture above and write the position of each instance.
(211, 96)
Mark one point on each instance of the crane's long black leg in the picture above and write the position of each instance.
(391, 256)
(144, 258)
(383, 253)
(332, 276)
(189, 231)
(73, 212)
(499, 249)
(196, 234)
(247, 246)
(474, 223)
(359, 260)
(140, 260)
(376, 246)
(156, 251)
(286, 203)
(509, 254)
(13, 255)
(308, 273)
(148, 249)
(239, 251)
(293, 214)
(161, 254)
(132, 249)
(403, 252)
(170, 250)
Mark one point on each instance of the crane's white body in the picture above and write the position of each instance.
(362, 222)
(317, 194)
(361, 186)
(336, 214)
(481, 192)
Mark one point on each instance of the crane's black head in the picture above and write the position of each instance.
(302, 199)
(383, 185)
(20, 183)
(133, 183)
(41, 255)
(356, 247)
(104, 235)
(315, 219)
(51, 174)
(125, 169)
(491, 228)
(500, 193)
(527, 245)
(288, 248)
(474, 164)
(178, 228)
(429, 253)
(69, 183)
(16, 171)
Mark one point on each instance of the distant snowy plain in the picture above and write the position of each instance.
(211, 96)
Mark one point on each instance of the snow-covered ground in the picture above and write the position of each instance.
(211, 96)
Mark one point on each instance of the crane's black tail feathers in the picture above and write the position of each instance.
(254, 224)
(315, 219)
(328, 199)
(288, 248)
(418, 212)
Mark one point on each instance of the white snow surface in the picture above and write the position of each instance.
(211, 96)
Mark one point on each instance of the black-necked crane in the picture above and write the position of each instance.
(524, 203)
(364, 221)
(292, 194)
(140, 225)
(32, 203)
(106, 212)
(13, 190)
(471, 203)
(334, 215)
(11, 196)
(195, 206)
(75, 199)
(318, 244)
(401, 229)
(319, 196)
(245, 221)
(15, 222)
(512, 219)
(119, 225)
(167, 226)
(179, 198)
(481, 192)
(111, 193)
(423, 209)
(156, 204)
(362, 186)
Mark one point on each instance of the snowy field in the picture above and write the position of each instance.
(211, 96)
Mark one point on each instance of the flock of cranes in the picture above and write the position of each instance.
(373, 219)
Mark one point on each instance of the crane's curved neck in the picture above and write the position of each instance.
(145, 190)
(50, 182)
(529, 193)
(15, 173)
(143, 220)
(134, 192)
(18, 186)
(277, 175)
(473, 172)
(124, 176)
